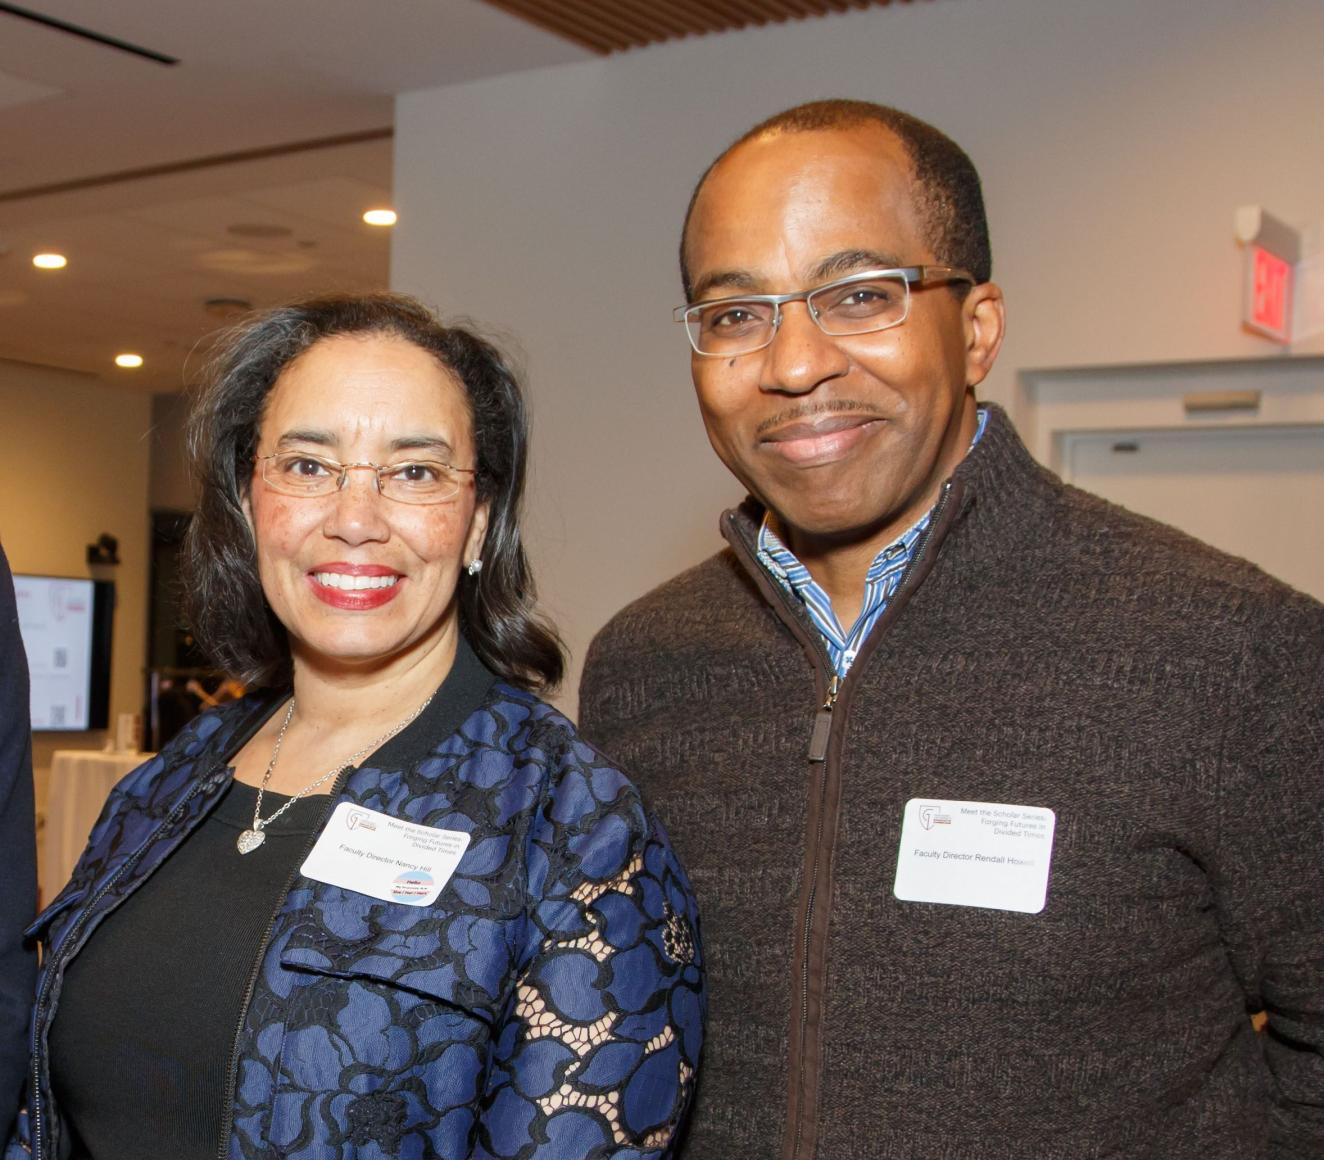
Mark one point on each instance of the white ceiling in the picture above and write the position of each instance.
(145, 253)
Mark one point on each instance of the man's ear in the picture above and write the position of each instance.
(985, 319)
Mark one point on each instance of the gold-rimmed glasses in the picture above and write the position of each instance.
(301, 473)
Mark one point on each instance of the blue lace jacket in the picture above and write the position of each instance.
(550, 1003)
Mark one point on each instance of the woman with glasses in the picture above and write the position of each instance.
(388, 904)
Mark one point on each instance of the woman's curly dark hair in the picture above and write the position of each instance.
(226, 608)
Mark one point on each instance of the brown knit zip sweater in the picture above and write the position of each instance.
(1048, 649)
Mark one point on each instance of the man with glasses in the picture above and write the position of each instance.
(1002, 804)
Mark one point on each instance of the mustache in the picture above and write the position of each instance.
(809, 410)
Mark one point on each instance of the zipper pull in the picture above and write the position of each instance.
(818, 741)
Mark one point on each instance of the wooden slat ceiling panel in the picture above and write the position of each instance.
(606, 26)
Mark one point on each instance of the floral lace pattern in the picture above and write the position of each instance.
(589, 1041)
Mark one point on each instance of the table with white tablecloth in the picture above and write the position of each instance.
(81, 781)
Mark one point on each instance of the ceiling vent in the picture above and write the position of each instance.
(605, 26)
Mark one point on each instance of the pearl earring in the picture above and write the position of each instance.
(474, 567)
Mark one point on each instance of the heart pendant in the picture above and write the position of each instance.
(250, 840)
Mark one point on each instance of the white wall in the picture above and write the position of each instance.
(74, 464)
(1115, 141)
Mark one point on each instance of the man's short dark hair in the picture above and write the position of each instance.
(226, 607)
(947, 191)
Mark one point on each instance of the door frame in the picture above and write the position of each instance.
(1054, 402)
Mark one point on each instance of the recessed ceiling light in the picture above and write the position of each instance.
(380, 217)
(50, 261)
(129, 361)
(227, 308)
(258, 230)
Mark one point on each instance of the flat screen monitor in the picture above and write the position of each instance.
(66, 625)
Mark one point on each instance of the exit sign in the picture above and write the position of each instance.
(1268, 308)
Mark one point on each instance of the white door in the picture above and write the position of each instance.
(1256, 492)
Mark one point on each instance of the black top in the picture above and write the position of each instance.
(18, 854)
(149, 1009)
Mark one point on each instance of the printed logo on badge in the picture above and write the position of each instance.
(987, 854)
(384, 857)
(931, 815)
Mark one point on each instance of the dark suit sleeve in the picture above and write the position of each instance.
(18, 855)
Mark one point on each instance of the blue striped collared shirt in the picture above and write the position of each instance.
(880, 582)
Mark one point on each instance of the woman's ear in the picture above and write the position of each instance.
(473, 542)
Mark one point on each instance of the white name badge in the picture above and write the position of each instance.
(383, 857)
(975, 854)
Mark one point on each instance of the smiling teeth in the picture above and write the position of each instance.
(354, 583)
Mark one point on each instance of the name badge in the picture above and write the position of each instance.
(383, 857)
(975, 854)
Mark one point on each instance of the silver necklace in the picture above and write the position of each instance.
(253, 837)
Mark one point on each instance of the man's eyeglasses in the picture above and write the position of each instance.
(416, 481)
(860, 304)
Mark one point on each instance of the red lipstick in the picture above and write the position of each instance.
(354, 587)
